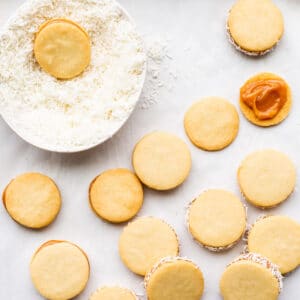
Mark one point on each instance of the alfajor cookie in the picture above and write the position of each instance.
(144, 242)
(174, 278)
(255, 26)
(116, 195)
(161, 160)
(266, 178)
(59, 270)
(265, 99)
(62, 48)
(212, 123)
(251, 277)
(113, 293)
(278, 239)
(217, 219)
(32, 199)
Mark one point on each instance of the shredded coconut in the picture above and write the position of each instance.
(72, 115)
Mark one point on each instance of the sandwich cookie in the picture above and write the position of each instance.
(62, 48)
(265, 99)
(59, 270)
(266, 178)
(161, 160)
(113, 293)
(278, 239)
(251, 277)
(116, 195)
(144, 242)
(255, 26)
(32, 199)
(174, 278)
(212, 123)
(217, 220)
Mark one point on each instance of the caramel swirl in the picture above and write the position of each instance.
(266, 97)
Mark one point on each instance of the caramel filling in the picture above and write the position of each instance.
(266, 97)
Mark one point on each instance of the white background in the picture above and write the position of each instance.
(206, 64)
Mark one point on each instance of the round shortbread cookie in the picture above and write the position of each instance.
(266, 178)
(144, 242)
(116, 195)
(217, 219)
(278, 239)
(161, 160)
(212, 123)
(255, 26)
(278, 118)
(62, 48)
(174, 278)
(59, 270)
(251, 277)
(32, 199)
(113, 293)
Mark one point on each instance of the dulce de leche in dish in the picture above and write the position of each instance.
(265, 97)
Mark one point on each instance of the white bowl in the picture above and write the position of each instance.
(76, 149)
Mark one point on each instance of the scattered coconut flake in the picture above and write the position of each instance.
(160, 74)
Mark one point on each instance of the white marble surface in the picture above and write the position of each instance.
(205, 64)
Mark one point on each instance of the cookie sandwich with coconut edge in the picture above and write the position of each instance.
(216, 220)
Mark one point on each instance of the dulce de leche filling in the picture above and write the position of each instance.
(266, 97)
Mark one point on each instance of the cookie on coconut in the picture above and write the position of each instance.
(62, 48)
(255, 26)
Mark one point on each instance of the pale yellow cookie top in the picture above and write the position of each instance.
(255, 25)
(144, 242)
(62, 48)
(212, 123)
(116, 195)
(248, 280)
(161, 160)
(282, 114)
(113, 293)
(32, 199)
(217, 218)
(59, 270)
(267, 178)
(175, 279)
(278, 239)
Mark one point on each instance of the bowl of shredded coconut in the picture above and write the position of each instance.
(81, 113)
